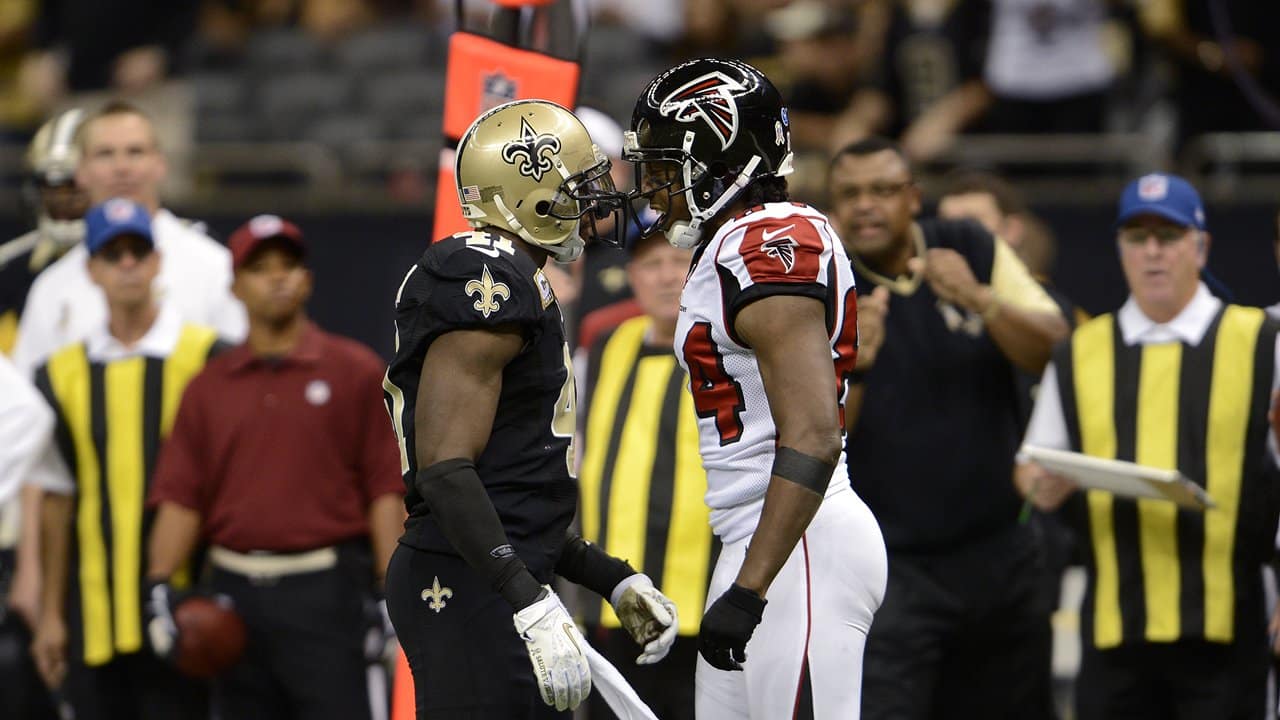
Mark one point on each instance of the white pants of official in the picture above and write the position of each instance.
(808, 648)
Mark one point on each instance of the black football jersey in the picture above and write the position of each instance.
(476, 280)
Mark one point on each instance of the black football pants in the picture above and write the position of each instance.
(304, 659)
(962, 633)
(468, 662)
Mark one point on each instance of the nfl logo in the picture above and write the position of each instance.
(1153, 188)
(497, 89)
(265, 225)
(118, 210)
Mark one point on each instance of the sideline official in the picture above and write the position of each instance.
(283, 459)
(1173, 620)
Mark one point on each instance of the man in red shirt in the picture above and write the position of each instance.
(282, 459)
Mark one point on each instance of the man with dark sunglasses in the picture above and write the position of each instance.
(115, 394)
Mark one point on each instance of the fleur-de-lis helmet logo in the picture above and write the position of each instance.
(531, 152)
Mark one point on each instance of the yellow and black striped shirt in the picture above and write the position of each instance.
(1159, 573)
(641, 478)
(112, 417)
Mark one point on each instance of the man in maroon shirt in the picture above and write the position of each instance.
(283, 460)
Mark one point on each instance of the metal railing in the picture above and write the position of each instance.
(385, 176)
(1240, 166)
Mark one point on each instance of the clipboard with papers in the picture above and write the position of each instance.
(1120, 477)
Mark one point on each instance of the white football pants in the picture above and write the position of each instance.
(806, 653)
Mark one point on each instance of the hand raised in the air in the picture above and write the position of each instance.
(951, 279)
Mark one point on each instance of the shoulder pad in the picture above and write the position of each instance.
(782, 247)
(480, 278)
(461, 252)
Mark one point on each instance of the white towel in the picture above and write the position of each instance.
(622, 699)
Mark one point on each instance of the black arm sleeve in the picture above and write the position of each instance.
(465, 514)
(586, 564)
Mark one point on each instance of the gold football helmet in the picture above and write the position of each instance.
(51, 189)
(530, 167)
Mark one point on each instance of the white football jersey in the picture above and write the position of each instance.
(775, 249)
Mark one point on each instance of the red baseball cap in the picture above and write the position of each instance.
(249, 236)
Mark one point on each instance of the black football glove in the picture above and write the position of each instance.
(162, 631)
(727, 626)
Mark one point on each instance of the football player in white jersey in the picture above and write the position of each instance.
(768, 334)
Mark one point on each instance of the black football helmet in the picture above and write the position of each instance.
(718, 124)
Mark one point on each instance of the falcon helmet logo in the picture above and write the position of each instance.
(530, 153)
(780, 246)
(709, 98)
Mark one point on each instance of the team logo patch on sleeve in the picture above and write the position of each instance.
(530, 152)
(779, 245)
(544, 288)
(710, 99)
(782, 250)
(489, 293)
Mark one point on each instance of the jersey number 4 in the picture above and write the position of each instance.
(717, 395)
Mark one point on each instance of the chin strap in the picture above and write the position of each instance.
(564, 252)
(684, 235)
(66, 234)
(689, 234)
(567, 251)
(510, 217)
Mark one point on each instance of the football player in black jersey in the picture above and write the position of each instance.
(481, 393)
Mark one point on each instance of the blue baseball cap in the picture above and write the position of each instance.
(115, 217)
(1167, 196)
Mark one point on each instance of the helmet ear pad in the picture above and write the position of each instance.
(713, 183)
(549, 230)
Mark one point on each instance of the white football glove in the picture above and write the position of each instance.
(556, 651)
(648, 615)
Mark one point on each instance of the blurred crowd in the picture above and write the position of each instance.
(920, 71)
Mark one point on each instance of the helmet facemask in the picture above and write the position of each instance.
(707, 189)
(588, 197)
(50, 191)
(60, 217)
